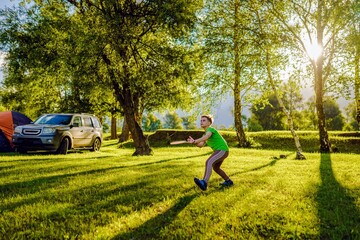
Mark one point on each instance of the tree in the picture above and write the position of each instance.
(151, 123)
(253, 124)
(2, 108)
(172, 121)
(137, 50)
(229, 55)
(309, 115)
(188, 122)
(354, 53)
(272, 56)
(141, 45)
(351, 117)
(333, 116)
(322, 24)
(40, 74)
(270, 116)
(23, 39)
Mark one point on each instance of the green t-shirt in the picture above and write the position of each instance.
(216, 141)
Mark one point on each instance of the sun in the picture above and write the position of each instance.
(313, 50)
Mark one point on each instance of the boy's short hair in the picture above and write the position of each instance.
(209, 117)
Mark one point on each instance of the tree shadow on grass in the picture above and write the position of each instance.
(270, 164)
(171, 159)
(43, 183)
(151, 229)
(337, 211)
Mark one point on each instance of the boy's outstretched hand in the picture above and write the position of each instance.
(190, 140)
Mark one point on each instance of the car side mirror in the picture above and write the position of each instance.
(75, 125)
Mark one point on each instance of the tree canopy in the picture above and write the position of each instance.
(137, 52)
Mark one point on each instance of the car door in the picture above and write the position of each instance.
(97, 127)
(88, 131)
(77, 132)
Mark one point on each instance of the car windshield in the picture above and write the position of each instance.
(54, 119)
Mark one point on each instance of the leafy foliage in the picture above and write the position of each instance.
(41, 74)
(172, 121)
(269, 116)
(188, 122)
(334, 118)
(91, 55)
(151, 123)
(351, 113)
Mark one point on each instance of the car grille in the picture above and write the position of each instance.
(29, 131)
(30, 142)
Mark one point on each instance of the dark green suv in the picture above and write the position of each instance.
(59, 132)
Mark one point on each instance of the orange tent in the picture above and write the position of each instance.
(9, 120)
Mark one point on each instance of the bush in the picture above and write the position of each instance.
(346, 142)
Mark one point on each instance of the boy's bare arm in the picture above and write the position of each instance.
(200, 142)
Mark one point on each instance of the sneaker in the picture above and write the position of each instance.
(227, 183)
(201, 183)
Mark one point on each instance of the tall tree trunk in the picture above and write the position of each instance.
(299, 154)
(240, 133)
(127, 101)
(319, 84)
(113, 127)
(125, 132)
(141, 143)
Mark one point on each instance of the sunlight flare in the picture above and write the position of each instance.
(314, 50)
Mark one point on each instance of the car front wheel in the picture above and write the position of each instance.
(64, 146)
(21, 150)
(96, 145)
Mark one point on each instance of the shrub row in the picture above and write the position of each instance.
(346, 142)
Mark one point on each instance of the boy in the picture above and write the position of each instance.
(221, 151)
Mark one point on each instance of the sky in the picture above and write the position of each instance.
(8, 3)
(4, 4)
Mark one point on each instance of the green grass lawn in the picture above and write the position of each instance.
(112, 195)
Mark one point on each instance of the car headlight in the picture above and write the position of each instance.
(18, 130)
(49, 130)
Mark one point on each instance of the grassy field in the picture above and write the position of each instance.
(112, 195)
